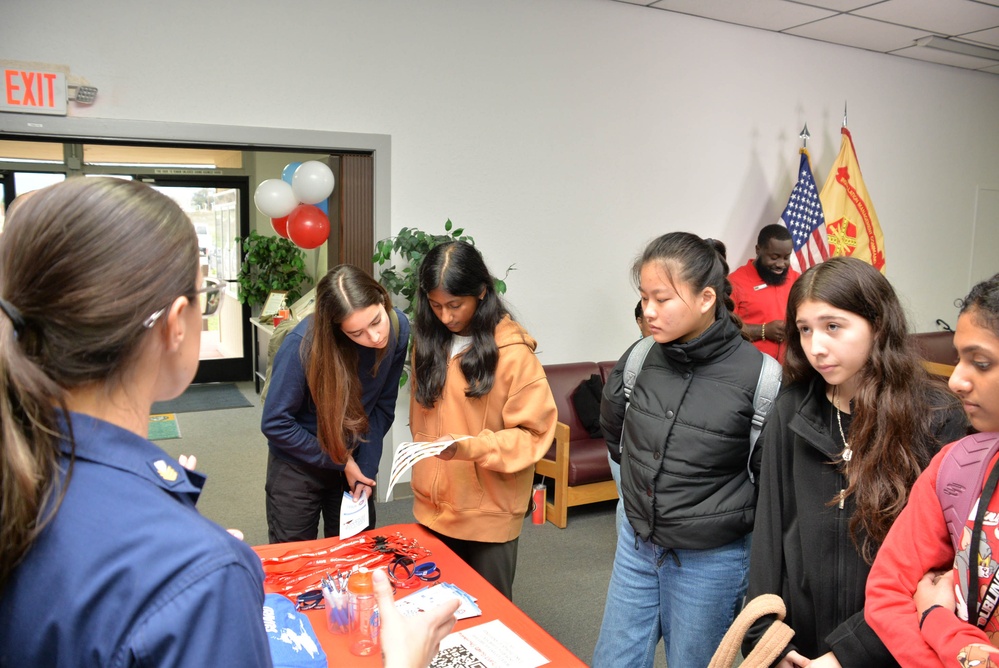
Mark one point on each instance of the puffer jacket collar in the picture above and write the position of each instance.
(718, 341)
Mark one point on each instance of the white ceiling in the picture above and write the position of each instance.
(888, 26)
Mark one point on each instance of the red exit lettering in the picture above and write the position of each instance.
(30, 89)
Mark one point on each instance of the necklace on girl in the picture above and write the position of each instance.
(847, 453)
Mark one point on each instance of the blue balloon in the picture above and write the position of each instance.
(289, 171)
(324, 206)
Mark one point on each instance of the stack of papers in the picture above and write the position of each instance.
(431, 597)
(489, 645)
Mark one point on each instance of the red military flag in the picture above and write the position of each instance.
(852, 225)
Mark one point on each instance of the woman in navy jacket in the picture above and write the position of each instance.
(104, 559)
(330, 402)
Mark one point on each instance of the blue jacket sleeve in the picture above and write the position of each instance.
(288, 403)
(382, 414)
(212, 618)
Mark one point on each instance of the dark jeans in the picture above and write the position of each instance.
(297, 494)
(496, 562)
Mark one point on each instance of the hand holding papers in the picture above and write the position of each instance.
(409, 453)
(353, 515)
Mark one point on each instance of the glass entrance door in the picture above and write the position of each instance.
(217, 208)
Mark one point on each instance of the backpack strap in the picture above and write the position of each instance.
(277, 338)
(960, 479)
(633, 367)
(763, 400)
(394, 321)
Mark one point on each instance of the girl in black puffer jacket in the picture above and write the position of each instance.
(680, 569)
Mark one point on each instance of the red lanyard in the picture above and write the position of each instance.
(298, 571)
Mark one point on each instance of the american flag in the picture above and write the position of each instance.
(803, 218)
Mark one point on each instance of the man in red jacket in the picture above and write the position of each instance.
(760, 289)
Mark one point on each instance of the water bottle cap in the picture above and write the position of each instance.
(360, 582)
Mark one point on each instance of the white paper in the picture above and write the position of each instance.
(492, 645)
(410, 452)
(430, 597)
(353, 515)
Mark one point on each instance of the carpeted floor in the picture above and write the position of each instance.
(207, 397)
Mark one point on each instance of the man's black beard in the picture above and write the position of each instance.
(770, 277)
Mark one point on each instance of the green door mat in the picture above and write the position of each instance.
(163, 427)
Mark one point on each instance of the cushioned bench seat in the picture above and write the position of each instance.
(576, 463)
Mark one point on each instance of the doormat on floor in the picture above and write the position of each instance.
(208, 397)
(163, 427)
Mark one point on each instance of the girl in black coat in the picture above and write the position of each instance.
(859, 420)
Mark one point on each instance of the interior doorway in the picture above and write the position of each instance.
(367, 208)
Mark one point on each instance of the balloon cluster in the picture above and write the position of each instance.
(298, 202)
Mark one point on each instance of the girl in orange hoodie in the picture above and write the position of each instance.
(475, 374)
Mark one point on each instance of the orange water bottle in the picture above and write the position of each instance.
(364, 620)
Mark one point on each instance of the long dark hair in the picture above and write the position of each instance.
(698, 263)
(457, 268)
(331, 360)
(891, 432)
(83, 266)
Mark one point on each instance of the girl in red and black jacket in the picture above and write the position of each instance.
(911, 598)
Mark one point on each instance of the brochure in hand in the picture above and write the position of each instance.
(409, 453)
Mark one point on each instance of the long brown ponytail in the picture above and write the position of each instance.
(83, 264)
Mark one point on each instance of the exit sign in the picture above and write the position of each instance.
(32, 91)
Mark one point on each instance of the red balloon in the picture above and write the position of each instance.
(308, 226)
(280, 226)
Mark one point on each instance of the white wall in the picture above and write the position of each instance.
(562, 134)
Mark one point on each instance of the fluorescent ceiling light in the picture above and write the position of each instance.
(158, 165)
(954, 46)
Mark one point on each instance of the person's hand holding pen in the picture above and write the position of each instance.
(359, 484)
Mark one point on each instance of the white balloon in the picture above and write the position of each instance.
(274, 198)
(312, 182)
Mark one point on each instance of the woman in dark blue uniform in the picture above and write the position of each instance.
(104, 559)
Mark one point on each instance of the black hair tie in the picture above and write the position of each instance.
(15, 316)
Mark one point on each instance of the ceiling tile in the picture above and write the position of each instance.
(943, 17)
(766, 14)
(859, 32)
(990, 37)
(944, 57)
(840, 5)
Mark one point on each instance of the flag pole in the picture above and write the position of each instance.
(844, 113)
(804, 136)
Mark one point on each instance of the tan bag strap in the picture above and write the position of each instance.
(770, 645)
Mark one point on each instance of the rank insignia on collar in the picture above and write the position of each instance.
(165, 471)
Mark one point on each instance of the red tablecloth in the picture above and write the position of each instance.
(493, 604)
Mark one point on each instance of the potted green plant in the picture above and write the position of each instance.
(411, 245)
(270, 264)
